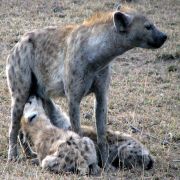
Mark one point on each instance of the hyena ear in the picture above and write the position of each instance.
(122, 21)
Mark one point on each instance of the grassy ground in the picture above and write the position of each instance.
(145, 86)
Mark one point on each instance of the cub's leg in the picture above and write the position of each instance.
(60, 165)
(29, 153)
(52, 163)
(89, 153)
(67, 158)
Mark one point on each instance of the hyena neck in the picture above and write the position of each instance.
(106, 44)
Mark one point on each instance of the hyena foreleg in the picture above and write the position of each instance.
(74, 114)
(101, 90)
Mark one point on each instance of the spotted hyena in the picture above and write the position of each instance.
(124, 151)
(57, 149)
(74, 61)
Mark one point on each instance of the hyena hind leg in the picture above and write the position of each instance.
(19, 79)
(16, 113)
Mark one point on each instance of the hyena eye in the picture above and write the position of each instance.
(30, 118)
(148, 26)
(29, 101)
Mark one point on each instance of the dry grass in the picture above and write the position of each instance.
(145, 87)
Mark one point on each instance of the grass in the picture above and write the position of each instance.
(145, 86)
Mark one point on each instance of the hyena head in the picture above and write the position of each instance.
(133, 154)
(33, 111)
(138, 29)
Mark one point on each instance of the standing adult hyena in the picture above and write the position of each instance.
(73, 61)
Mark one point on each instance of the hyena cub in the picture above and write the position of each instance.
(57, 149)
(124, 151)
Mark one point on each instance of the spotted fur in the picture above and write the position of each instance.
(57, 149)
(74, 61)
(124, 150)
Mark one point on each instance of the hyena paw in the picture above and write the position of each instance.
(31, 155)
(94, 169)
(35, 161)
(109, 168)
(12, 154)
(51, 163)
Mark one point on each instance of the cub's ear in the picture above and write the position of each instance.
(122, 21)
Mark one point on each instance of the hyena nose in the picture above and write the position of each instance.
(163, 37)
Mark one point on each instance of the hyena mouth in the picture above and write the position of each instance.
(154, 45)
(158, 42)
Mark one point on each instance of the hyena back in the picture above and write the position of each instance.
(73, 61)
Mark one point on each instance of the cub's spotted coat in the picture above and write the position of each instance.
(57, 149)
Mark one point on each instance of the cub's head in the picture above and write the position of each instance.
(33, 114)
(134, 154)
(138, 29)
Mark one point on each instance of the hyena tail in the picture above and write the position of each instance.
(34, 86)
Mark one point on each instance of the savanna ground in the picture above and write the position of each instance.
(145, 86)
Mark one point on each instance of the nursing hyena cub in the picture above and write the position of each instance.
(57, 149)
(124, 150)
